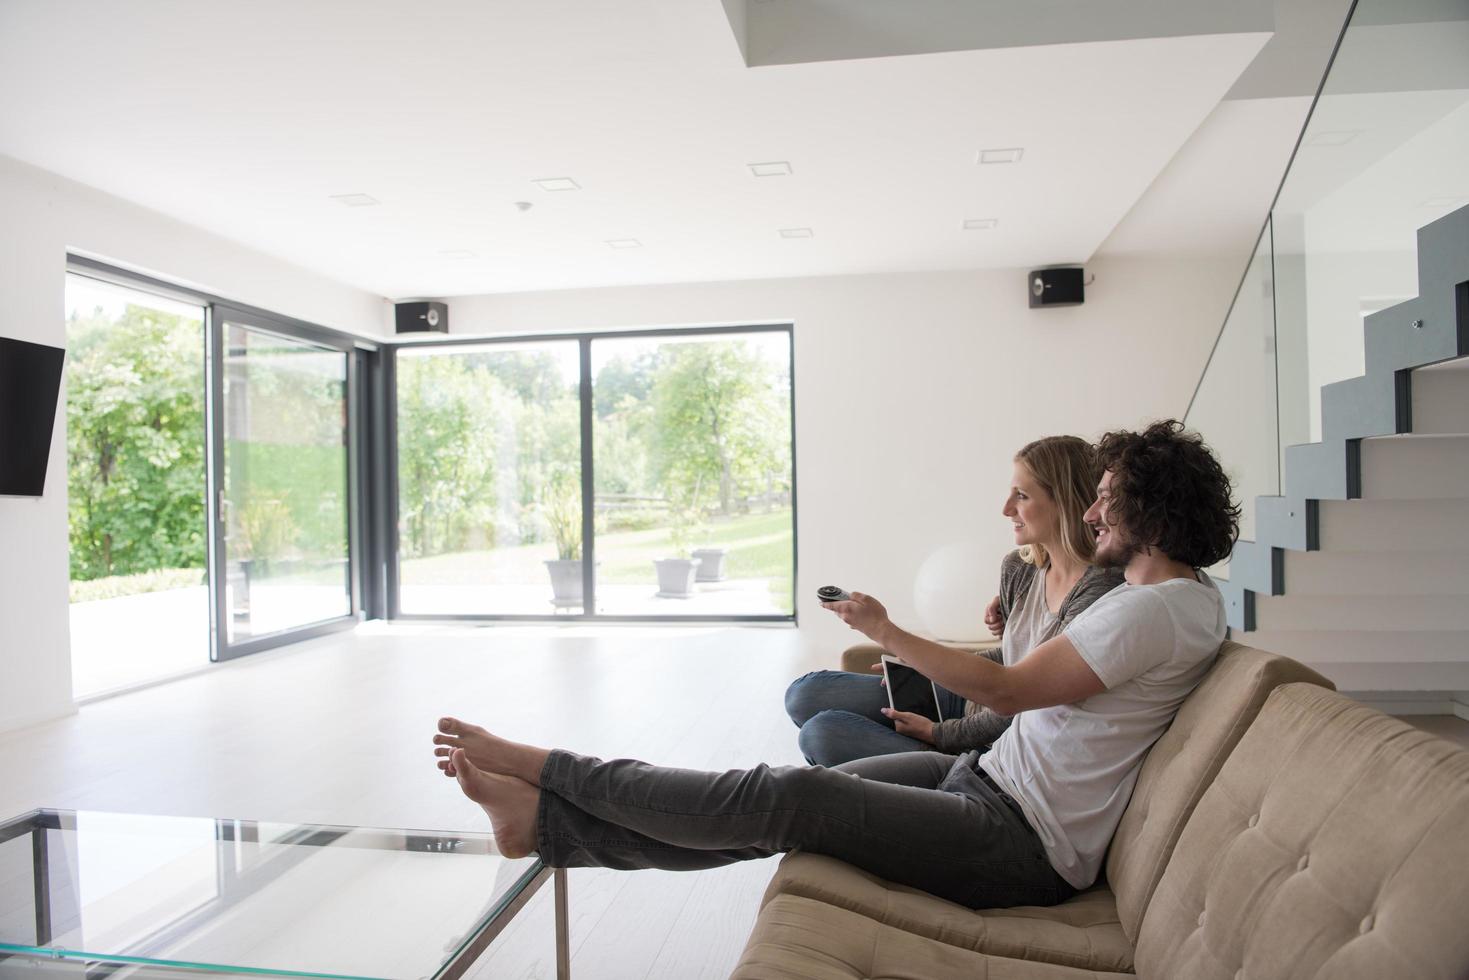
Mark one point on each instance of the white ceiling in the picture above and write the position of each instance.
(246, 118)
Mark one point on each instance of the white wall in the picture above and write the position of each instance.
(913, 392)
(42, 216)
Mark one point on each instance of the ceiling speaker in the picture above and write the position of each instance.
(1056, 287)
(423, 317)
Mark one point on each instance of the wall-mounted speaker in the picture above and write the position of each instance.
(423, 317)
(1056, 287)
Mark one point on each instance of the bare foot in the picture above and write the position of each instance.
(487, 752)
(510, 803)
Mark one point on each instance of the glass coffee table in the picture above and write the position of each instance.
(86, 894)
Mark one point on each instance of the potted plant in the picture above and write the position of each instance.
(676, 574)
(563, 514)
(711, 563)
(263, 532)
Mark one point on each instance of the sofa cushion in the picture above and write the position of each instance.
(800, 938)
(1332, 844)
(1083, 932)
(1182, 764)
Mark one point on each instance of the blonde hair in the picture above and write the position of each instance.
(1066, 467)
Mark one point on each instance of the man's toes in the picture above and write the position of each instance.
(443, 751)
(451, 726)
(447, 740)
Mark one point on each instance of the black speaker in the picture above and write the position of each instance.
(1055, 287)
(423, 317)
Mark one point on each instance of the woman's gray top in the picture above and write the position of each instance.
(980, 725)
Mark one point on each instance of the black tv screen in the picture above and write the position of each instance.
(30, 383)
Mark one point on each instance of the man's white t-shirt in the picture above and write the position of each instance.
(1072, 766)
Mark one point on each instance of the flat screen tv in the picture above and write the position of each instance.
(30, 383)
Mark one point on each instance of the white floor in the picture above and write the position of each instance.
(337, 731)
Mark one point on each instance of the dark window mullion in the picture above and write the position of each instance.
(588, 486)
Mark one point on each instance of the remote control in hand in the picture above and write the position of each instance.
(831, 593)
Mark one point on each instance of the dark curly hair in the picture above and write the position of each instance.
(1169, 492)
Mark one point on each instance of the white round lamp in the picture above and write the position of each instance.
(949, 591)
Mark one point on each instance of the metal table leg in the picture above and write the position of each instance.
(563, 945)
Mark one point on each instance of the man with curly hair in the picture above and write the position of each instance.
(1026, 823)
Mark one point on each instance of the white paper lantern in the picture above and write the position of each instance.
(951, 591)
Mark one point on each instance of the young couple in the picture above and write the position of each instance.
(1026, 822)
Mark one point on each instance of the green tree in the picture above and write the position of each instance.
(720, 423)
(135, 442)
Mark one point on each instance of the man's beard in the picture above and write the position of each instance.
(1120, 551)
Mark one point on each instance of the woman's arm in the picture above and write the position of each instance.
(1052, 673)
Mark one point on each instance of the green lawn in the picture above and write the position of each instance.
(758, 545)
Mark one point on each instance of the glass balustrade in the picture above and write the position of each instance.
(1383, 153)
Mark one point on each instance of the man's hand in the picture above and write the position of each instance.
(914, 726)
(993, 618)
(861, 612)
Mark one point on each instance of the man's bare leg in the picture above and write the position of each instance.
(487, 752)
(510, 803)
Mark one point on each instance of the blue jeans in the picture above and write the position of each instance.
(840, 717)
(922, 819)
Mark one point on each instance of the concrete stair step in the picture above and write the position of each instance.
(1441, 398)
(1425, 330)
(1370, 405)
(1401, 675)
(1364, 647)
(1287, 522)
(1389, 616)
(1376, 574)
(1324, 470)
(1415, 467)
(1394, 525)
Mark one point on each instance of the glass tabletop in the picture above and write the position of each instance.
(242, 897)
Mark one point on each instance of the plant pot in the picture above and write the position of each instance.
(566, 591)
(676, 576)
(711, 564)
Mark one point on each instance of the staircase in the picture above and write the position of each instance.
(1361, 567)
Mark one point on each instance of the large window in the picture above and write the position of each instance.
(489, 486)
(640, 476)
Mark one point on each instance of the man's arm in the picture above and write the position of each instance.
(1052, 673)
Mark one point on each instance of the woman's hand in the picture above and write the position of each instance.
(993, 618)
(914, 726)
(861, 612)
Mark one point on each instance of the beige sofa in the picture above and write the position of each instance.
(1277, 829)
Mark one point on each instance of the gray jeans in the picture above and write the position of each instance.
(923, 819)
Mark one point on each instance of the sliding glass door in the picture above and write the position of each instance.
(281, 478)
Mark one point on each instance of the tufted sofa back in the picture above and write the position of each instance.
(1334, 843)
(1181, 765)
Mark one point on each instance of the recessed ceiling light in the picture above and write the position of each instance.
(355, 200)
(458, 253)
(797, 233)
(624, 243)
(776, 168)
(979, 224)
(1333, 137)
(557, 184)
(1009, 154)
(1444, 202)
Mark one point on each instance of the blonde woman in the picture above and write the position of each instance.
(1044, 584)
